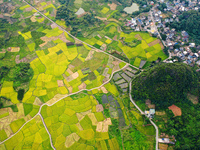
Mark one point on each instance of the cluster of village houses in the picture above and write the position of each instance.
(159, 20)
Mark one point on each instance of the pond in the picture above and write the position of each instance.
(104, 99)
(80, 11)
(116, 76)
(134, 7)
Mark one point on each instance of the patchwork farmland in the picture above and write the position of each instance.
(77, 96)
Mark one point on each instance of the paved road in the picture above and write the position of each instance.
(130, 85)
(74, 36)
(157, 131)
(132, 99)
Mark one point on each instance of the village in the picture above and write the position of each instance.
(157, 23)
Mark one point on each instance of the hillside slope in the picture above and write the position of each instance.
(165, 84)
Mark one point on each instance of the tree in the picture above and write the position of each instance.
(163, 36)
(3, 71)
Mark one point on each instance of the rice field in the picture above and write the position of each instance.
(105, 10)
(142, 51)
(63, 66)
(73, 120)
(32, 136)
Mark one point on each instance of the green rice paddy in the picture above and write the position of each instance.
(62, 68)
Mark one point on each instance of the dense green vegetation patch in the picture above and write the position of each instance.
(165, 84)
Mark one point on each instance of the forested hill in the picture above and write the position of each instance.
(165, 84)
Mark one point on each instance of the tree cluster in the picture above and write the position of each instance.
(165, 84)
(190, 22)
(71, 19)
(20, 73)
(162, 6)
(185, 128)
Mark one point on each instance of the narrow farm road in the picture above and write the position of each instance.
(130, 85)
(76, 37)
(18, 130)
(47, 131)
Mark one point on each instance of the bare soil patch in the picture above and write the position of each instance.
(28, 9)
(115, 38)
(192, 98)
(79, 16)
(176, 110)
(82, 86)
(69, 71)
(86, 112)
(24, 60)
(151, 106)
(99, 108)
(13, 49)
(55, 98)
(93, 118)
(137, 36)
(112, 19)
(33, 19)
(106, 122)
(112, 6)
(124, 15)
(165, 16)
(37, 101)
(99, 126)
(79, 126)
(70, 139)
(103, 19)
(116, 62)
(162, 146)
(90, 55)
(116, 68)
(79, 116)
(53, 38)
(104, 89)
(60, 83)
(160, 113)
(156, 42)
(75, 75)
(70, 89)
(54, 25)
